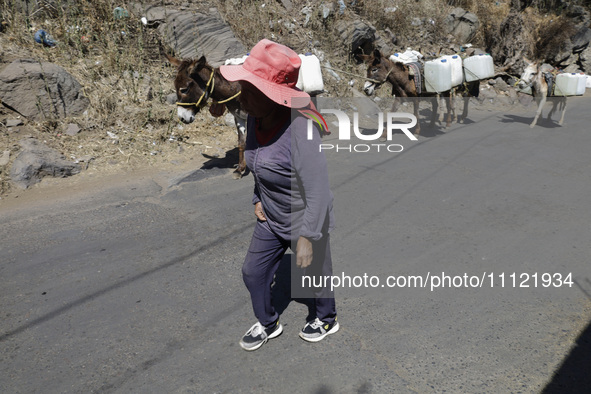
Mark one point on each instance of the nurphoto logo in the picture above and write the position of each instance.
(394, 121)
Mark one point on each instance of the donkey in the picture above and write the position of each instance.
(404, 85)
(196, 81)
(534, 76)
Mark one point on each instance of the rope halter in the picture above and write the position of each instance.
(207, 92)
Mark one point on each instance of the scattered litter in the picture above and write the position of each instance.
(73, 29)
(308, 12)
(112, 135)
(342, 7)
(120, 13)
(325, 11)
(42, 37)
(416, 22)
(84, 159)
(329, 69)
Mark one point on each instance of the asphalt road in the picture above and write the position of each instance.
(136, 287)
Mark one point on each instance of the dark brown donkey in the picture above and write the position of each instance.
(381, 70)
(196, 81)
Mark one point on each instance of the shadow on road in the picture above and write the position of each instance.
(214, 166)
(574, 375)
(228, 161)
(542, 122)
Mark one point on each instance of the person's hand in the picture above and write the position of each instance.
(304, 252)
(258, 211)
(217, 109)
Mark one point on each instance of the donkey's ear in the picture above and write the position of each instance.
(363, 58)
(173, 60)
(377, 54)
(198, 65)
(165, 53)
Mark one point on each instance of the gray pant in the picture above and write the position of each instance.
(261, 263)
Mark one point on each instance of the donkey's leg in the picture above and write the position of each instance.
(539, 111)
(563, 102)
(471, 89)
(454, 115)
(552, 110)
(466, 101)
(435, 110)
(415, 101)
(241, 131)
(396, 102)
(449, 104)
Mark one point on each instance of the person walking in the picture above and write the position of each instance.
(292, 198)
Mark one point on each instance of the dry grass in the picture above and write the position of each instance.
(414, 24)
(117, 61)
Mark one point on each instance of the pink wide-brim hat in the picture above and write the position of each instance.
(273, 69)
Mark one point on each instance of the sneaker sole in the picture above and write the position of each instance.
(334, 329)
(274, 334)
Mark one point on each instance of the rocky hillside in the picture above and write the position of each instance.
(84, 87)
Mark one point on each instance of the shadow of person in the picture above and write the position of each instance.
(230, 160)
(574, 375)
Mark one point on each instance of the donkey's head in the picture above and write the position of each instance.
(193, 85)
(529, 74)
(377, 71)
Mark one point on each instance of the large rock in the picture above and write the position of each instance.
(581, 39)
(507, 55)
(585, 60)
(41, 91)
(462, 24)
(193, 34)
(578, 14)
(36, 161)
(357, 35)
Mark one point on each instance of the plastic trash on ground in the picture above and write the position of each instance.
(42, 37)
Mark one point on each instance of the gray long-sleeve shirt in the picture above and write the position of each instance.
(291, 181)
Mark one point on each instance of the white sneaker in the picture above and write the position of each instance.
(258, 335)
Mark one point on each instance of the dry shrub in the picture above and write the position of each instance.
(490, 13)
(553, 38)
(414, 23)
(253, 20)
(511, 39)
(117, 62)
